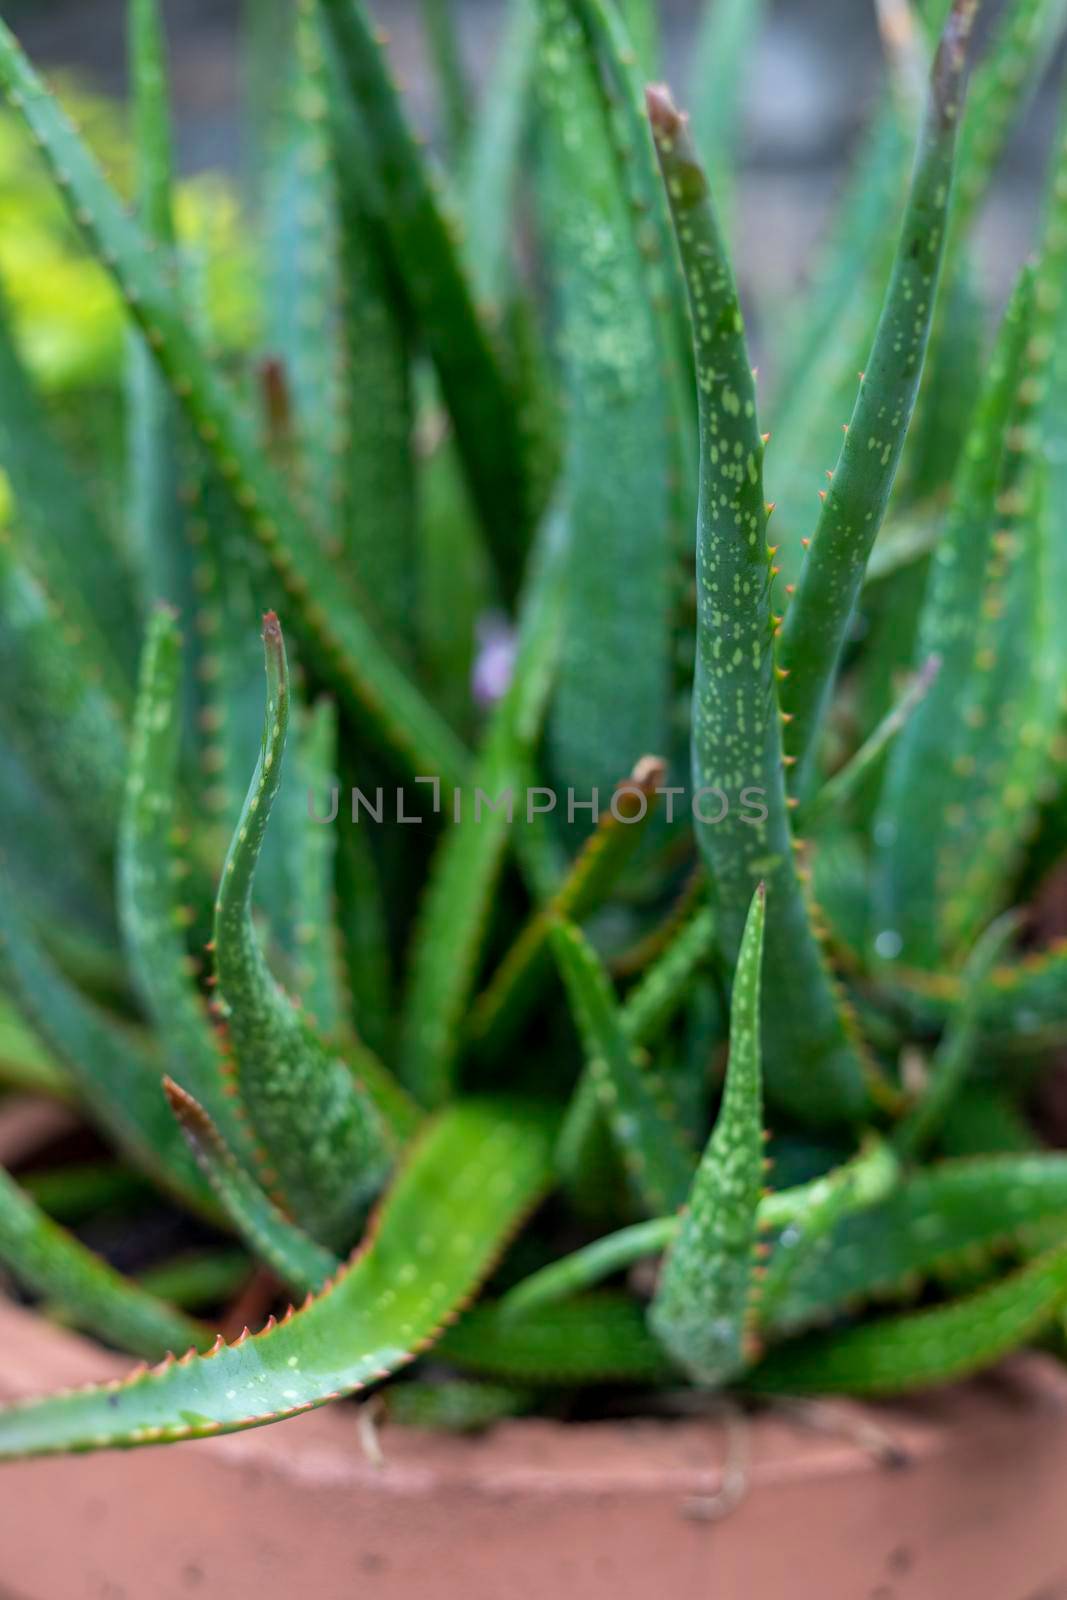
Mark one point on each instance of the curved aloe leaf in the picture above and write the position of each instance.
(464, 1189)
(898, 1354)
(150, 910)
(955, 1210)
(812, 1064)
(325, 1145)
(705, 1305)
(843, 1192)
(347, 647)
(647, 1009)
(651, 1143)
(806, 1211)
(293, 1255)
(54, 1264)
(819, 615)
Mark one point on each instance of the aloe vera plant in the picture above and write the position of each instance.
(429, 782)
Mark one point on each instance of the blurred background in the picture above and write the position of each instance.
(812, 89)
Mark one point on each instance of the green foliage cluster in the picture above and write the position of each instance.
(483, 506)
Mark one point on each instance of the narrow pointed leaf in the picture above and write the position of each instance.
(150, 907)
(611, 706)
(436, 285)
(819, 615)
(704, 1306)
(812, 1063)
(647, 1008)
(301, 1264)
(440, 21)
(321, 1135)
(303, 287)
(651, 1143)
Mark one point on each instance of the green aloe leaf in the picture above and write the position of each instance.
(158, 451)
(650, 1141)
(302, 1265)
(819, 615)
(440, 22)
(435, 283)
(71, 552)
(377, 513)
(57, 715)
(600, 1338)
(955, 1054)
(303, 288)
(812, 1064)
(728, 33)
(464, 1189)
(622, 441)
(117, 1078)
(347, 647)
(504, 1004)
(911, 821)
(493, 165)
(151, 910)
(326, 1146)
(916, 1351)
(806, 1212)
(704, 1308)
(457, 902)
(955, 1210)
(56, 1265)
(648, 1008)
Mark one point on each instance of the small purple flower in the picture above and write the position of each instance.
(495, 659)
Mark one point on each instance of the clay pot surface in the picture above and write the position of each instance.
(533, 1509)
(952, 1494)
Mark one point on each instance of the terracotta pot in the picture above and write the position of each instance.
(971, 1504)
